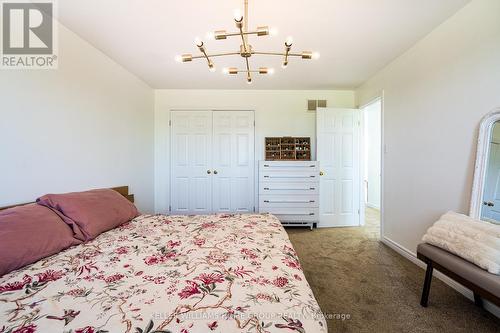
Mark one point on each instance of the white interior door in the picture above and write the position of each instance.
(338, 155)
(191, 160)
(491, 197)
(233, 161)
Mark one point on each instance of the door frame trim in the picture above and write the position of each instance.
(383, 151)
(170, 151)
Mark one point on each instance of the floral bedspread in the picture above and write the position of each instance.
(179, 274)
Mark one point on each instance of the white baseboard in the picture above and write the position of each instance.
(410, 255)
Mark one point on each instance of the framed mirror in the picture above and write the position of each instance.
(485, 200)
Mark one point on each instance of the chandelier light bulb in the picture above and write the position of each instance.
(198, 42)
(270, 71)
(284, 65)
(249, 81)
(178, 58)
(225, 71)
(212, 69)
(273, 32)
(210, 35)
(237, 15)
(316, 55)
(289, 40)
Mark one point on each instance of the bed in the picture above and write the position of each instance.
(156, 273)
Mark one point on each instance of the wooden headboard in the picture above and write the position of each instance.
(123, 190)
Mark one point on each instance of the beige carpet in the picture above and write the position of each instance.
(352, 273)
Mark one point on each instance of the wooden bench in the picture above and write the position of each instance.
(484, 285)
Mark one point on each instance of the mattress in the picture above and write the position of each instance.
(186, 274)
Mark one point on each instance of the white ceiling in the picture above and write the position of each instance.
(356, 38)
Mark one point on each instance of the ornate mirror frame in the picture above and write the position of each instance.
(483, 150)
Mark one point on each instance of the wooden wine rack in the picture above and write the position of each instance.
(288, 149)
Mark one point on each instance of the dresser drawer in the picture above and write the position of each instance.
(280, 201)
(294, 214)
(300, 175)
(289, 166)
(288, 188)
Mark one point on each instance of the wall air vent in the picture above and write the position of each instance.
(313, 104)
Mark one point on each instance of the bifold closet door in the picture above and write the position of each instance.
(191, 162)
(233, 162)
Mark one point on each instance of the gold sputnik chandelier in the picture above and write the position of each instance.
(246, 50)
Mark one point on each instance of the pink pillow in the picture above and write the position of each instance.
(29, 233)
(91, 213)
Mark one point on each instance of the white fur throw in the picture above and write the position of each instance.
(475, 241)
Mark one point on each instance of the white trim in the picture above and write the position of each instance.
(361, 129)
(371, 101)
(410, 255)
(483, 149)
(374, 206)
(382, 154)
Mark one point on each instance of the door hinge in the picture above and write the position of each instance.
(170, 123)
(169, 208)
(254, 209)
(359, 212)
(254, 123)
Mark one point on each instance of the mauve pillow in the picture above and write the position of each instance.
(29, 233)
(91, 213)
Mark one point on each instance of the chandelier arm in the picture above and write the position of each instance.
(205, 55)
(285, 61)
(232, 34)
(249, 76)
(268, 53)
(245, 20)
(244, 40)
(282, 54)
(216, 55)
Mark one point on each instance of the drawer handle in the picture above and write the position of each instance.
(288, 189)
(289, 201)
(284, 177)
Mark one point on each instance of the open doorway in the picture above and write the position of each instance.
(372, 165)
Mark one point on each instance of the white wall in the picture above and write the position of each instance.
(372, 147)
(434, 98)
(88, 124)
(277, 113)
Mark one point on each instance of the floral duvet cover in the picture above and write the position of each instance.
(179, 274)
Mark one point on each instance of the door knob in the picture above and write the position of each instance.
(209, 172)
(321, 173)
(215, 172)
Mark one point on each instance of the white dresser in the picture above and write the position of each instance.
(290, 190)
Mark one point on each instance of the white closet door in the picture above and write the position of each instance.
(338, 154)
(233, 161)
(191, 154)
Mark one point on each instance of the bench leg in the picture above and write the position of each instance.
(478, 300)
(427, 285)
